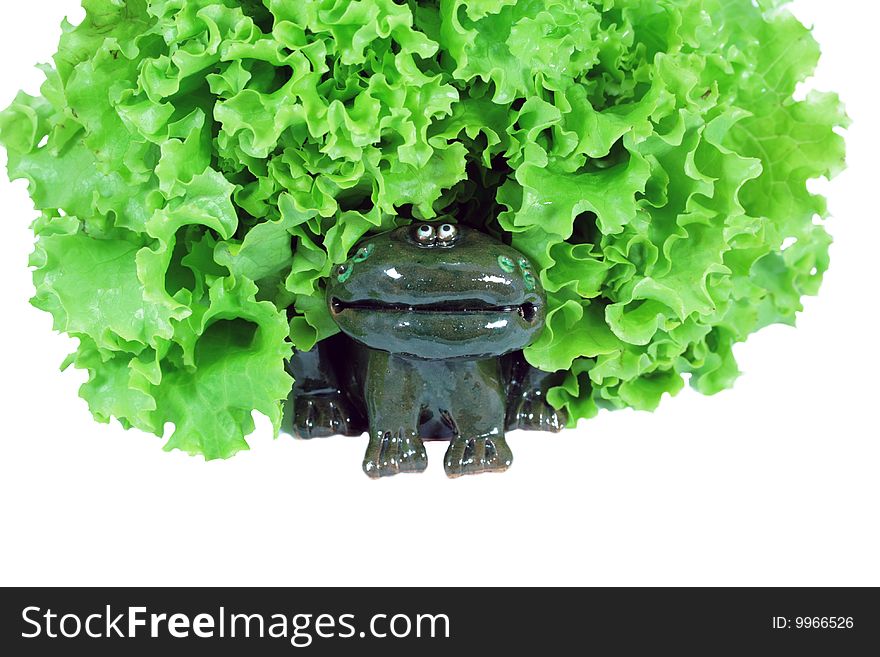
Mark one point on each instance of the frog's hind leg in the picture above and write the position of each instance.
(319, 404)
(527, 405)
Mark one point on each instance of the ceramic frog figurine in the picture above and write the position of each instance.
(434, 318)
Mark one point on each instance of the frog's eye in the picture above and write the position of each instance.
(425, 234)
(447, 233)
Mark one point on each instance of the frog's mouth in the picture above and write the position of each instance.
(528, 311)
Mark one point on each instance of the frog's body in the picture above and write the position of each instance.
(434, 318)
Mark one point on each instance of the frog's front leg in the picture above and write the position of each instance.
(319, 405)
(394, 390)
(476, 415)
(527, 405)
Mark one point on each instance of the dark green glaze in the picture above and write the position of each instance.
(437, 299)
(434, 319)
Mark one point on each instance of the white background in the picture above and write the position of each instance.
(772, 483)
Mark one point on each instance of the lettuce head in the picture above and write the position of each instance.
(199, 166)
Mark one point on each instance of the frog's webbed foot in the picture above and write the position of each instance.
(326, 414)
(392, 452)
(527, 405)
(466, 456)
(532, 412)
(318, 405)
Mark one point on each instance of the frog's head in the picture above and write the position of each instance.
(437, 290)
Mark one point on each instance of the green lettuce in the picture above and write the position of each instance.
(199, 166)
